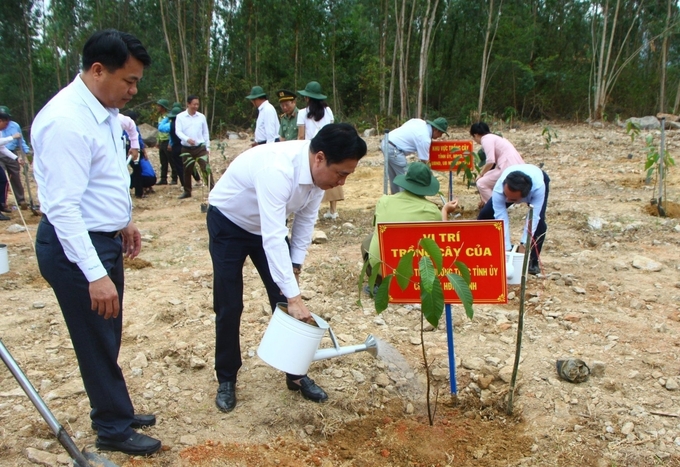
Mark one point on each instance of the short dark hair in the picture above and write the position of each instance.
(132, 114)
(192, 97)
(339, 142)
(112, 49)
(4, 117)
(519, 181)
(479, 128)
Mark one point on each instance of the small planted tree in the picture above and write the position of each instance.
(427, 279)
(205, 175)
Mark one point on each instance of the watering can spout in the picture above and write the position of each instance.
(370, 345)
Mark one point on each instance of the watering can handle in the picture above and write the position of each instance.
(334, 339)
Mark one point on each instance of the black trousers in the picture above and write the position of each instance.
(487, 212)
(176, 162)
(96, 340)
(229, 246)
(165, 157)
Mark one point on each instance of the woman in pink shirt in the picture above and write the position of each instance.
(500, 154)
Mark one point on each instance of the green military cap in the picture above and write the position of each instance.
(256, 92)
(440, 124)
(164, 103)
(285, 95)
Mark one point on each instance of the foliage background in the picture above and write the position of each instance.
(541, 64)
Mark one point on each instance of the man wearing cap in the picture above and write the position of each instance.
(413, 136)
(192, 129)
(288, 130)
(267, 125)
(408, 205)
(163, 107)
(13, 165)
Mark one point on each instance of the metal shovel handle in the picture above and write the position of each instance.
(39, 404)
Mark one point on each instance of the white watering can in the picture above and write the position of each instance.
(291, 345)
(513, 266)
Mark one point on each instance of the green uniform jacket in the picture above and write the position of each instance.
(289, 129)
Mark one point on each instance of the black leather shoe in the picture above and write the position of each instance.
(136, 445)
(184, 195)
(309, 389)
(226, 397)
(162, 182)
(534, 269)
(4, 217)
(5, 208)
(140, 421)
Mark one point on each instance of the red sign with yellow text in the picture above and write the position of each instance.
(445, 153)
(478, 244)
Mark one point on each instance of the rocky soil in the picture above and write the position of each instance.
(609, 295)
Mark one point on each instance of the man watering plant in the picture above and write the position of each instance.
(522, 183)
(249, 207)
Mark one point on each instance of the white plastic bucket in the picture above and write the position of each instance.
(289, 344)
(513, 266)
(4, 260)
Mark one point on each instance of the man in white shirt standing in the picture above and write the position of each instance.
(247, 216)
(87, 225)
(413, 136)
(192, 129)
(267, 126)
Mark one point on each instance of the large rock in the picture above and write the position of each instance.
(149, 135)
(646, 123)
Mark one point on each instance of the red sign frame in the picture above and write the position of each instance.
(478, 244)
(442, 155)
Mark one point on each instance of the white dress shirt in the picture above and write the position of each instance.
(413, 136)
(4, 152)
(80, 168)
(267, 125)
(130, 128)
(192, 127)
(312, 127)
(536, 198)
(259, 190)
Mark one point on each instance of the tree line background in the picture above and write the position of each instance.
(379, 61)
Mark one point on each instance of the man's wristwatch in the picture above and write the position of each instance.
(297, 268)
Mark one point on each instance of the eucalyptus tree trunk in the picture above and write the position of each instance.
(207, 18)
(486, 55)
(181, 34)
(425, 43)
(168, 44)
(664, 59)
(382, 60)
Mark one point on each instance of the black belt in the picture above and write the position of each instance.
(107, 234)
(265, 141)
(394, 146)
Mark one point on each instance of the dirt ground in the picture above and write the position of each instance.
(609, 295)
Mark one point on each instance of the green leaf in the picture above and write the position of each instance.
(360, 282)
(371, 280)
(432, 303)
(433, 250)
(383, 295)
(464, 272)
(464, 293)
(428, 276)
(405, 270)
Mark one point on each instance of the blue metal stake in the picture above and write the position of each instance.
(452, 354)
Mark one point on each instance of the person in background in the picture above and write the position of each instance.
(500, 154)
(288, 130)
(310, 120)
(13, 165)
(247, 216)
(134, 147)
(408, 205)
(174, 143)
(521, 183)
(163, 107)
(267, 124)
(86, 228)
(192, 129)
(414, 136)
(5, 153)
